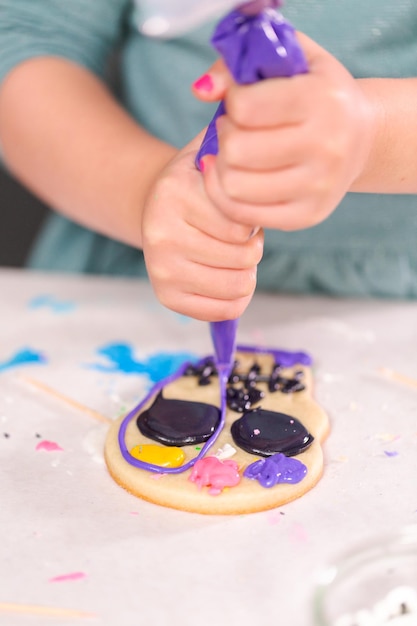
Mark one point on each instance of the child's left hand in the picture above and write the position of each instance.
(289, 148)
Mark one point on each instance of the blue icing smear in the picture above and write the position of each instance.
(46, 301)
(25, 356)
(156, 367)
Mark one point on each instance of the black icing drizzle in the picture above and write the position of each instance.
(178, 422)
(242, 390)
(265, 433)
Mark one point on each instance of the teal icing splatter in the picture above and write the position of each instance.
(25, 356)
(155, 367)
(183, 319)
(46, 301)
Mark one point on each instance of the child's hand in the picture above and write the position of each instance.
(200, 262)
(289, 148)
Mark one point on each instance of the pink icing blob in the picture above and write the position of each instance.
(216, 474)
(49, 446)
(68, 577)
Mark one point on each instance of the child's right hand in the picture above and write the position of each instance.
(200, 263)
(291, 148)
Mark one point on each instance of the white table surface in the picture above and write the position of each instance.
(129, 562)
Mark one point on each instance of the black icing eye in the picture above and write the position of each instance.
(265, 433)
(178, 422)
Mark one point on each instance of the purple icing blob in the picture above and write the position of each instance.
(276, 469)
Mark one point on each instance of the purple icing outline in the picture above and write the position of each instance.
(286, 358)
(301, 358)
(151, 467)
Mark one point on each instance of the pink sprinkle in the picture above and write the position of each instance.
(68, 577)
(256, 431)
(274, 517)
(49, 446)
(298, 533)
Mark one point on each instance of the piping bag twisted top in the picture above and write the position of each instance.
(256, 43)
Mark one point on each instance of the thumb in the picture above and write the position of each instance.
(313, 52)
(214, 83)
(190, 151)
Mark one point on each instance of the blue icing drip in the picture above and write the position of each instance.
(276, 469)
(47, 301)
(156, 366)
(25, 356)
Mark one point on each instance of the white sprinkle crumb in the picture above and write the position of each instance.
(398, 608)
(226, 452)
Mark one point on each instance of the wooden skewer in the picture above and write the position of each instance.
(45, 611)
(73, 403)
(400, 378)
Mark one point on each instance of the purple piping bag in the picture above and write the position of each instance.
(256, 43)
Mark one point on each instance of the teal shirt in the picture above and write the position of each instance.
(368, 245)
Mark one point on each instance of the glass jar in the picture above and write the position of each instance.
(372, 585)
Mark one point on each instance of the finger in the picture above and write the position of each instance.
(193, 278)
(268, 103)
(207, 309)
(258, 188)
(201, 214)
(313, 52)
(214, 83)
(288, 204)
(206, 217)
(286, 216)
(260, 149)
(208, 251)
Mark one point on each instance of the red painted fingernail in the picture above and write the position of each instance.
(205, 83)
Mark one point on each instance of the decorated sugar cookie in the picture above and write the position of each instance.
(248, 440)
(206, 445)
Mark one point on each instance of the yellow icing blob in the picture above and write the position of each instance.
(159, 455)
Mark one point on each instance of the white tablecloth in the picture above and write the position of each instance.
(73, 539)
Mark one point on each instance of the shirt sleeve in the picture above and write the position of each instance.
(82, 31)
